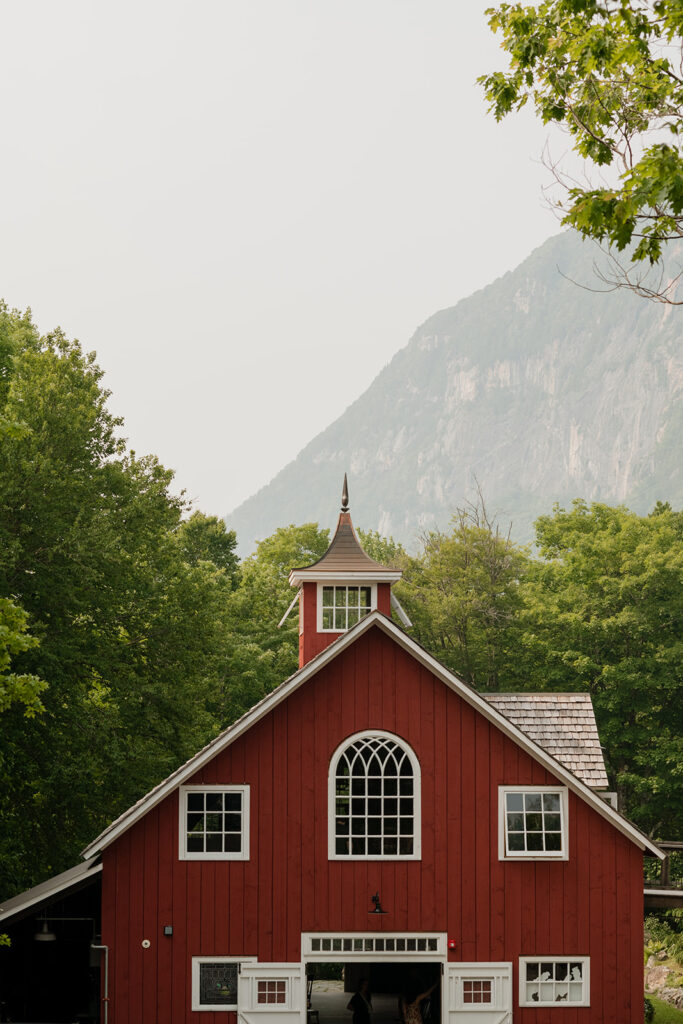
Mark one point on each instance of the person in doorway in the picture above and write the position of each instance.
(411, 1009)
(360, 1003)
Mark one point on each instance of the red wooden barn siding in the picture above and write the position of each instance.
(589, 905)
(311, 642)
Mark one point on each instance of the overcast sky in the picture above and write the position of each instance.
(246, 208)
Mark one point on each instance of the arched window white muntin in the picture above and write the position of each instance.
(391, 755)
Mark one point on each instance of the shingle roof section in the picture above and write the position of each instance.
(563, 724)
(345, 553)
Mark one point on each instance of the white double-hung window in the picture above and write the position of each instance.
(532, 822)
(374, 799)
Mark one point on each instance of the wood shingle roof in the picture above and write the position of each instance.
(563, 724)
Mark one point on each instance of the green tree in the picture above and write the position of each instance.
(603, 613)
(15, 639)
(462, 595)
(609, 72)
(261, 655)
(130, 624)
(205, 538)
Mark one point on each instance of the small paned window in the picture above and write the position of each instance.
(271, 991)
(342, 607)
(552, 980)
(215, 980)
(375, 799)
(214, 822)
(477, 990)
(534, 822)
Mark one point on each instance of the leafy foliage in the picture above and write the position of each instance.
(610, 74)
(126, 627)
(463, 596)
(603, 613)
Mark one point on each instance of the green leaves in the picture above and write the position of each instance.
(602, 72)
(15, 639)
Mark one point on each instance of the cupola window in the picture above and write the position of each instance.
(342, 606)
(374, 791)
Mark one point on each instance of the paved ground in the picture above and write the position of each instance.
(330, 1000)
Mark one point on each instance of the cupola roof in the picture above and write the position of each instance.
(345, 557)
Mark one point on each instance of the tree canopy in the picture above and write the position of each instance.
(113, 626)
(609, 72)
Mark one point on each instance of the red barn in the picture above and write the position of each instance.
(377, 812)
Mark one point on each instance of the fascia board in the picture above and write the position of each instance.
(296, 576)
(44, 892)
(464, 691)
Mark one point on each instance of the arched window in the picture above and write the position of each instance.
(374, 799)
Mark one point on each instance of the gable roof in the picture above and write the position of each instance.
(289, 686)
(563, 724)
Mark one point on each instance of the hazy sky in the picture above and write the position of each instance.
(247, 207)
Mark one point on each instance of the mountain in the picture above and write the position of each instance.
(539, 389)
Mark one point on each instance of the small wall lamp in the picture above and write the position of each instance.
(377, 909)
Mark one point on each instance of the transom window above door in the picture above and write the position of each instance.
(340, 606)
(374, 799)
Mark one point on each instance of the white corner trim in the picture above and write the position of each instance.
(183, 853)
(289, 686)
(533, 855)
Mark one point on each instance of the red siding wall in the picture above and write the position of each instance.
(495, 911)
(311, 642)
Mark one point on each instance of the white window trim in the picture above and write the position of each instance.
(585, 980)
(562, 854)
(183, 853)
(363, 946)
(342, 583)
(417, 801)
(273, 979)
(196, 961)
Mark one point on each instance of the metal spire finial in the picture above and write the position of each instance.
(345, 496)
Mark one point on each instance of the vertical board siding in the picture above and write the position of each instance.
(492, 909)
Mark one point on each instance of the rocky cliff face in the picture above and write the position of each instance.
(538, 389)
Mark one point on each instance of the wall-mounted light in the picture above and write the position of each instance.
(377, 909)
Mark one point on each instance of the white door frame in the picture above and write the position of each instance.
(437, 954)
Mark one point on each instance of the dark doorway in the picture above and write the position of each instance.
(57, 980)
(389, 981)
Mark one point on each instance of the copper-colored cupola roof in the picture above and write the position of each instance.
(345, 557)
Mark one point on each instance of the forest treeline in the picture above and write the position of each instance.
(131, 634)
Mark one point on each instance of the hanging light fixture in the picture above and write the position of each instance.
(44, 935)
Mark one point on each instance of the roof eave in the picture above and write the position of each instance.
(299, 576)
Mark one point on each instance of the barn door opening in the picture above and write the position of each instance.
(479, 993)
(271, 994)
(333, 985)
